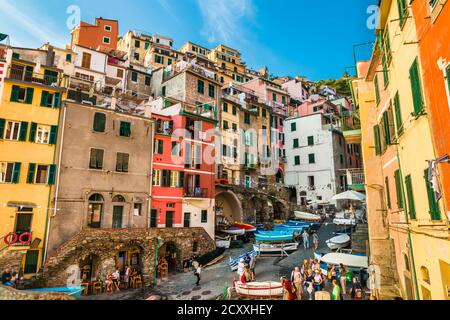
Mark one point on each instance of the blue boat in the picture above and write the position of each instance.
(291, 229)
(299, 223)
(234, 262)
(273, 236)
(70, 291)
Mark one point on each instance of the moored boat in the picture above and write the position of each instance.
(248, 228)
(307, 216)
(233, 231)
(260, 289)
(289, 228)
(348, 260)
(70, 291)
(344, 222)
(211, 258)
(339, 242)
(220, 243)
(275, 248)
(273, 236)
(234, 262)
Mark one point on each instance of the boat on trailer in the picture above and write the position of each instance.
(339, 242)
(348, 260)
(248, 228)
(260, 290)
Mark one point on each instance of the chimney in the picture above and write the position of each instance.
(50, 61)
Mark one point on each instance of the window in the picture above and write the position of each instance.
(234, 110)
(264, 113)
(247, 118)
(10, 172)
(68, 57)
(125, 129)
(293, 127)
(297, 160)
(138, 209)
(157, 178)
(296, 144)
(187, 220)
(204, 216)
(311, 182)
(402, 11)
(388, 193)
(159, 59)
(176, 149)
(200, 87)
(134, 76)
(310, 141)
(169, 61)
(283, 99)
(169, 219)
(225, 125)
(225, 107)
(163, 92)
(398, 188)
(432, 203)
(137, 44)
(342, 159)
(42, 172)
(136, 56)
(234, 126)
(22, 95)
(106, 40)
(274, 97)
(165, 182)
(12, 130)
(108, 28)
(312, 158)
(377, 90)
(409, 193)
(122, 162)
(99, 122)
(376, 131)
(86, 60)
(159, 146)
(414, 77)
(23, 222)
(174, 179)
(147, 80)
(119, 73)
(211, 91)
(154, 218)
(42, 134)
(95, 210)
(96, 159)
(51, 100)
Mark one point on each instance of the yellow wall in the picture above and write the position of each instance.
(26, 152)
(213, 56)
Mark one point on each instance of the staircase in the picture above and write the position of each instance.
(360, 238)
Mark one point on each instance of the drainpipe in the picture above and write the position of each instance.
(149, 210)
(55, 205)
(413, 265)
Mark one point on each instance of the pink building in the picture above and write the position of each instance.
(321, 106)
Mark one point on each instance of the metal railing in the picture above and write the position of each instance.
(355, 177)
(196, 192)
(24, 75)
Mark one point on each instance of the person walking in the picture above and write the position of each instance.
(305, 239)
(197, 273)
(343, 278)
(297, 280)
(309, 284)
(315, 239)
(336, 293)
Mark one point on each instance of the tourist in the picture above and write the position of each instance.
(126, 277)
(318, 280)
(247, 275)
(309, 284)
(355, 289)
(6, 278)
(116, 280)
(297, 280)
(304, 269)
(332, 274)
(287, 290)
(343, 278)
(305, 239)
(252, 267)
(336, 293)
(241, 268)
(315, 239)
(109, 283)
(197, 273)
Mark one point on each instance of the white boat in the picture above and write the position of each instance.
(344, 222)
(348, 260)
(223, 243)
(307, 216)
(275, 248)
(338, 242)
(260, 289)
(234, 231)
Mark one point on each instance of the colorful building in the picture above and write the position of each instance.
(104, 33)
(231, 67)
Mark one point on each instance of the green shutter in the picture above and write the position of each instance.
(398, 187)
(448, 77)
(51, 174)
(181, 179)
(432, 203)
(401, 11)
(57, 100)
(33, 131)
(29, 96)
(44, 99)
(376, 133)
(416, 88)
(16, 172)
(31, 172)
(23, 131)
(99, 122)
(15, 93)
(377, 90)
(410, 194)
(2, 128)
(388, 194)
(387, 138)
(53, 135)
(398, 115)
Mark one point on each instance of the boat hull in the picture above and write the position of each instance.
(307, 216)
(338, 242)
(274, 236)
(344, 222)
(266, 290)
(265, 248)
(234, 231)
(348, 260)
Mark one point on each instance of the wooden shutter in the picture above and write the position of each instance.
(33, 130)
(44, 99)
(388, 193)
(2, 128)
(51, 174)
(401, 11)
(387, 138)
(16, 172)
(377, 90)
(181, 180)
(410, 194)
(23, 131)
(160, 146)
(447, 72)
(86, 62)
(416, 88)
(432, 203)
(29, 96)
(31, 172)
(53, 135)
(15, 93)
(376, 133)
(57, 100)
(398, 115)
(398, 187)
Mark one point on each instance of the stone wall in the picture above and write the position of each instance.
(7, 293)
(12, 260)
(107, 243)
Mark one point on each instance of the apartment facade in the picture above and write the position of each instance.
(103, 33)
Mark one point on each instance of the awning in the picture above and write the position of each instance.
(13, 204)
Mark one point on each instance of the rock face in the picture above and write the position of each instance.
(7, 293)
(105, 244)
(11, 259)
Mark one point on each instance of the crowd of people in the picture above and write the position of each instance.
(114, 279)
(307, 280)
(246, 269)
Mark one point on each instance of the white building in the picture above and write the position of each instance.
(315, 152)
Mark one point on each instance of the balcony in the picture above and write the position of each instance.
(356, 179)
(183, 66)
(201, 193)
(23, 74)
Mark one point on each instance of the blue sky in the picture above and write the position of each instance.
(292, 37)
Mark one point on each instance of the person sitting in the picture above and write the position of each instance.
(116, 280)
(109, 283)
(6, 278)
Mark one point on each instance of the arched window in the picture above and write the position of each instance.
(95, 210)
(118, 199)
(425, 274)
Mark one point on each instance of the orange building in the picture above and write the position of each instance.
(432, 23)
(104, 33)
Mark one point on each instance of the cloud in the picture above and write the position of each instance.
(223, 20)
(37, 28)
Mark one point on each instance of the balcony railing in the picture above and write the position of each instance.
(355, 177)
(184, 66)
(196, 193)
(33, 77)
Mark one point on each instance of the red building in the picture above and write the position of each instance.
(104, 33)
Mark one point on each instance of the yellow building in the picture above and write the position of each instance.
(29, 115)
(231, 67)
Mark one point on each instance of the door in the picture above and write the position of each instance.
(31, 262)
(169, 219)
(154, 218)
(187, 220)
(117, 217)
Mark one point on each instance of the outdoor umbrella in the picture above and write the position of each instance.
(350, 195)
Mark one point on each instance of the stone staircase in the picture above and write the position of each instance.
(360, 238)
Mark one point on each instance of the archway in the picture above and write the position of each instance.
(168, 256)
(89, 268)
(228, 208)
